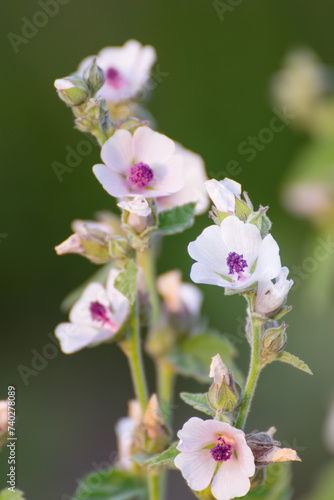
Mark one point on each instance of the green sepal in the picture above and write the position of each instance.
(292, 360)
(272, 343)
(112, 483)
(177, 219)
(165, 459)
(131, 124)
(126, 281)
(242, 211)
(198, 401)
(94, 77)
(96, 251)
(261, 220)
(11, 495)
(281, 313)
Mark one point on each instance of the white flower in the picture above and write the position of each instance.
(3, 416)
(223, 194)
(96, 317)
(144, 164)
(214, 450)
(271, 296)
(63, 84)
(126, 70)
(125, 431)
(179, 296)
(194, 189)
(233, 255)
(137, 206)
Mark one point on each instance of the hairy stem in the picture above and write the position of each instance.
(254, 368)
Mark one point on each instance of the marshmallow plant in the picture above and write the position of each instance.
(159, 188)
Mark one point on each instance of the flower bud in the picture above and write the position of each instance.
(261, 220)
(270, 296)
(273, 342)
(153, 423)
(94, 77)
(223, 394)
(267, 451)
(73, 90)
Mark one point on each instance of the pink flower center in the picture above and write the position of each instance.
(236, 263)
(99, 313)
(222, 451)
(140, 175)
(114, 78)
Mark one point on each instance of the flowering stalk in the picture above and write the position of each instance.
(256, 327)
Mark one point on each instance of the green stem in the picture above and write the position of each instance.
(254, 369)
(166, 379)
(153, 487)
(134, 354)
(146, 261)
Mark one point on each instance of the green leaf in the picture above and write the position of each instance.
(324, 488)
(126, 282)
(10, 495)
(177, 219)
(286, 357)
(241, 209)
(192, 356)
(100, 276)
(165, 459)
(198, 401)
(111, 484)
(277, 485)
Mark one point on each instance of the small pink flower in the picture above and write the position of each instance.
(144, 164)
(215, 451)
(126, 70)
(96, 317)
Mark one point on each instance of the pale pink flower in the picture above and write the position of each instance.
(234, 255)
(215, 451)
(137, 206)
(144, 164)
(125, 433)
(194, 189)
(126, 70)
(96, 317)
(178, 296)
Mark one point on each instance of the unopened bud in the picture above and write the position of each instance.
(94, 77)
(73, 90)
(223, 394)
(153, 423)
(273, 341)
(261, 220)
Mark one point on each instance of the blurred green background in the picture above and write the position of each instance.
(214, 97)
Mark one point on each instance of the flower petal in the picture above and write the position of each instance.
(117, 152)
(150, 146)
(80, 312)
(168, 176)
(242, 238)
(194, 435)
(111, 181)
(230, 481)
(73, 337)
(269, 262)
(197, 468)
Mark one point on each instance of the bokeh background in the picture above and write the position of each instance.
(214, 96)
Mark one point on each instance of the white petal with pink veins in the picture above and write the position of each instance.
(197, 468)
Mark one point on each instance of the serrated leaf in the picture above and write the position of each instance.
(111, 484)
(126, 281)
(177, 219)
(292, 360)
(192, 356)
(165, 459)
(198, 401)
(11, 495)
